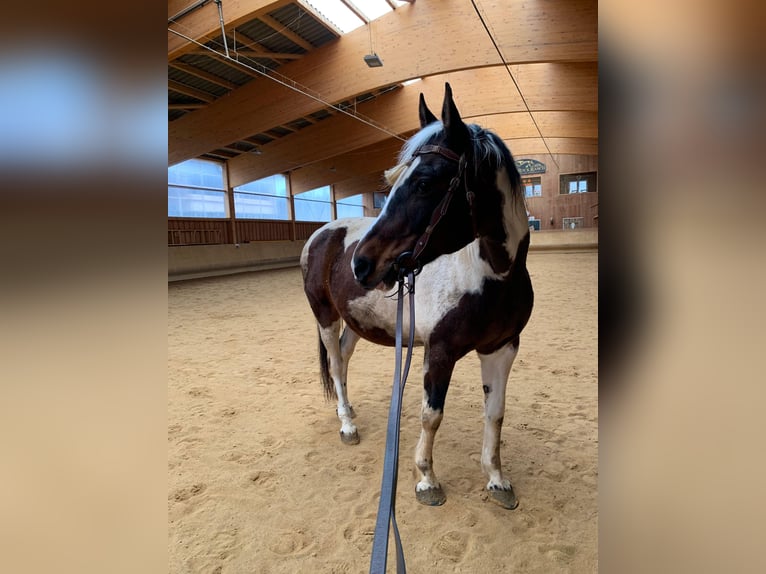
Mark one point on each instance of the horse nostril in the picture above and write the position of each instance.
(362, 268)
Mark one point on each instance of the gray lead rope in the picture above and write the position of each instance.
(387, 505)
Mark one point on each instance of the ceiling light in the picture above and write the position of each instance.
(373, 60)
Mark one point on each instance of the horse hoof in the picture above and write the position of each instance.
(349, 438)
(431, 496)
(505, 498)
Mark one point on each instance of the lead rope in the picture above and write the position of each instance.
(407, 268)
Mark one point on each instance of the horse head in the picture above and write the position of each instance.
(427, 213)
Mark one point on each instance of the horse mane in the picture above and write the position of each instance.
(392, 175)
(485, 146)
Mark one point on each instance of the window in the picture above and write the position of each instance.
(379, 199)
(262, 199)
(351, 206)
(314, 205)
(196, 189)
(578, 183)
(532, 186)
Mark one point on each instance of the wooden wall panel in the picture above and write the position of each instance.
(197, 231)
(554, 205)
(304, 229)
(263, 230)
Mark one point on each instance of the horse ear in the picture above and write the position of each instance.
(457, 131)
(426, 117)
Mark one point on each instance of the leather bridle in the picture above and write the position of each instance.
(441, 209)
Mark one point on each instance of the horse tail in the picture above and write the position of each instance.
(324, 370)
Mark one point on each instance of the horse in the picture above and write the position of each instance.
(456, 207)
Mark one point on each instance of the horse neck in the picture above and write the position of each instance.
(504, 225)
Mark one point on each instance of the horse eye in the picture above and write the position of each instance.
(423, 186)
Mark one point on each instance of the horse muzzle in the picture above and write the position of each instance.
(363, 270)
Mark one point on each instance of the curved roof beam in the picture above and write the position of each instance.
(398, 111)
(423, 39)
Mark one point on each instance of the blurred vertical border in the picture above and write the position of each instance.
(682, 283)
(83, 159)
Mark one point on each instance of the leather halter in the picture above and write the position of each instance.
(441, 209)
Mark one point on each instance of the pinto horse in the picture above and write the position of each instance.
(456, 204)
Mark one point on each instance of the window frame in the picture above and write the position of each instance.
(201, 190)
(272, 196)
(534, 181)
(565, 179)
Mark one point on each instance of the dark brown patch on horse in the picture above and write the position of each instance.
(492, 318)
(316, 274)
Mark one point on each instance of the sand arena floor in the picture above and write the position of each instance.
(259, 482)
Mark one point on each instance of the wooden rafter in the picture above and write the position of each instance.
(357, 12)
(233, 64)
(188, 91)
(259, 50)
(569, 37)
(287, 33)
(251, 54)
(207, 76)
(185, 106)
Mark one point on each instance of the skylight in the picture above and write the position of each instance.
(337, 12)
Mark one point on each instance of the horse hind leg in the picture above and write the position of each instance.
(334, 373)
(495, 369)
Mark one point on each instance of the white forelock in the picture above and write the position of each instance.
(419, 140)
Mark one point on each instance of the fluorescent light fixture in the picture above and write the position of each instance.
(373, 61)
(412, 81)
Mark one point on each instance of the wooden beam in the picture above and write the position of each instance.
(203, 24)
(286, 32)
(397, 111)
(566, 146)
(207, 76)
(446, 36)
(520, 124)
(185, 106)
(570, 124)
(361, 161)
(358, 13)
(186, 90)
(234, 64)
(249, 53)
(260, 50)
(362, 184)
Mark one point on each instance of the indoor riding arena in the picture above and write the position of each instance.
(284, 116)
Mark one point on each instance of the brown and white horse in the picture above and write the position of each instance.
(456, 202)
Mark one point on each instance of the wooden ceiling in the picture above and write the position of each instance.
(218, 108)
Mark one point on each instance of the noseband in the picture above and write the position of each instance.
(441, 209)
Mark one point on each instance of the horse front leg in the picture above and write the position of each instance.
(495, 369)
(339, 351)
(436, 377)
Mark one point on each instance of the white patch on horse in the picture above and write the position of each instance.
(401, 178)
(495, 369)
(430, 419)
(440, 286)
(338, 359)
